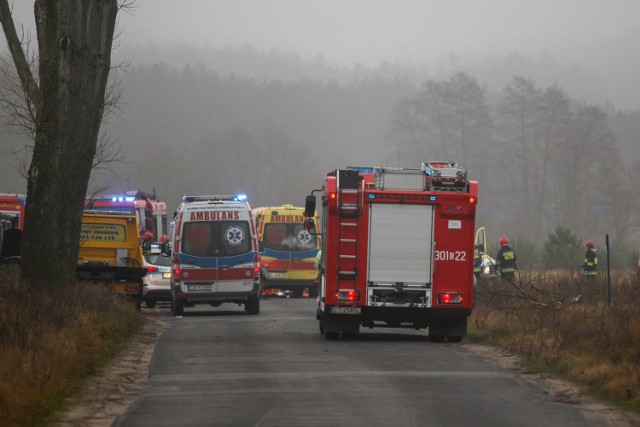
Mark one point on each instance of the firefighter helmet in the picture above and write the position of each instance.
(164, 238)
(504, 241)
(589, 244)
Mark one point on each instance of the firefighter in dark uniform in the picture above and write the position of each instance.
(590, 266)
(506, 260)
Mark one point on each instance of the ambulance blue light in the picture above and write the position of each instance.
(241, 197)
(432, 198)
(129, 199)
(372, 196)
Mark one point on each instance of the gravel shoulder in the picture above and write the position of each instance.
(116, 387)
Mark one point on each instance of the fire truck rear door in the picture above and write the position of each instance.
(401, 244)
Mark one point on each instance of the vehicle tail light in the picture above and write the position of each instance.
(347, 295)
(450, 298)
(176, 275)
(151, 269)
(131, 288)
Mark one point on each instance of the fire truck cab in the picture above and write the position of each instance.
(11, 205)
(151, 212)
(215, 254)
(397, 249)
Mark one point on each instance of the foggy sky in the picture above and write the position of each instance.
(598, 37)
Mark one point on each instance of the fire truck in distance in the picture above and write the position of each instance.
(397, 249)
(151, 212)
(11, 205)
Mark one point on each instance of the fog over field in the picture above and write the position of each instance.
(267, 96)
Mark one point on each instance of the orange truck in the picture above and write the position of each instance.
(287, 250)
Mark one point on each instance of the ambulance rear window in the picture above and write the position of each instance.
(216, 238)
(288, 237)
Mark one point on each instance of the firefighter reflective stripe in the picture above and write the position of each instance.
(506, 260)
(590, 264)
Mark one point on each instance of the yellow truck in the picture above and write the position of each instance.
(110, 253)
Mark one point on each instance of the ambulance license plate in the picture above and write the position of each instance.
(344, 310)
(204, 288)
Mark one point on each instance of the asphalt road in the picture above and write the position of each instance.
(221, 366)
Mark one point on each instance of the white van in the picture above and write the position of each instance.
(215, 254)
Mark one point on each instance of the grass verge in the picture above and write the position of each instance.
(51, 341)
(570, 326)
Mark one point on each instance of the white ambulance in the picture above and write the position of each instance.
(215, 254)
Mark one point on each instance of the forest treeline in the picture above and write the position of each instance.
(543, 158)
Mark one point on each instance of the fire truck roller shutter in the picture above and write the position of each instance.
(401, 244)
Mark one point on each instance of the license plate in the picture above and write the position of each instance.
(166, 275)
(276, 275)
(203, 288)
(344, 310)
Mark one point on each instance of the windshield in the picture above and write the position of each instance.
(216, 238)
(164, 261)
(288, 237)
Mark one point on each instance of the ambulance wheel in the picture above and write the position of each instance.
(331, 335)
(313, 291)
(252, 306)
(350, 335)
(177, 307)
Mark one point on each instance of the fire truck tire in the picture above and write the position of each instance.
(177, 307)
(252, 306)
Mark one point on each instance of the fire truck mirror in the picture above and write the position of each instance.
(310, 206)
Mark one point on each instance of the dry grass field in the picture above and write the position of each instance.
(570, 326)
(50, 342)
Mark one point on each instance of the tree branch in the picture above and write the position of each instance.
(18, 55)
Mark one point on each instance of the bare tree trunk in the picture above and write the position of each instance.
(74, 42)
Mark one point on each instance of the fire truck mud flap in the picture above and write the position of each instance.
(331, 325)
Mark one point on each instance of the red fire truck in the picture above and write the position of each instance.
(151, 212)
(11, 205)
(397, 249)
